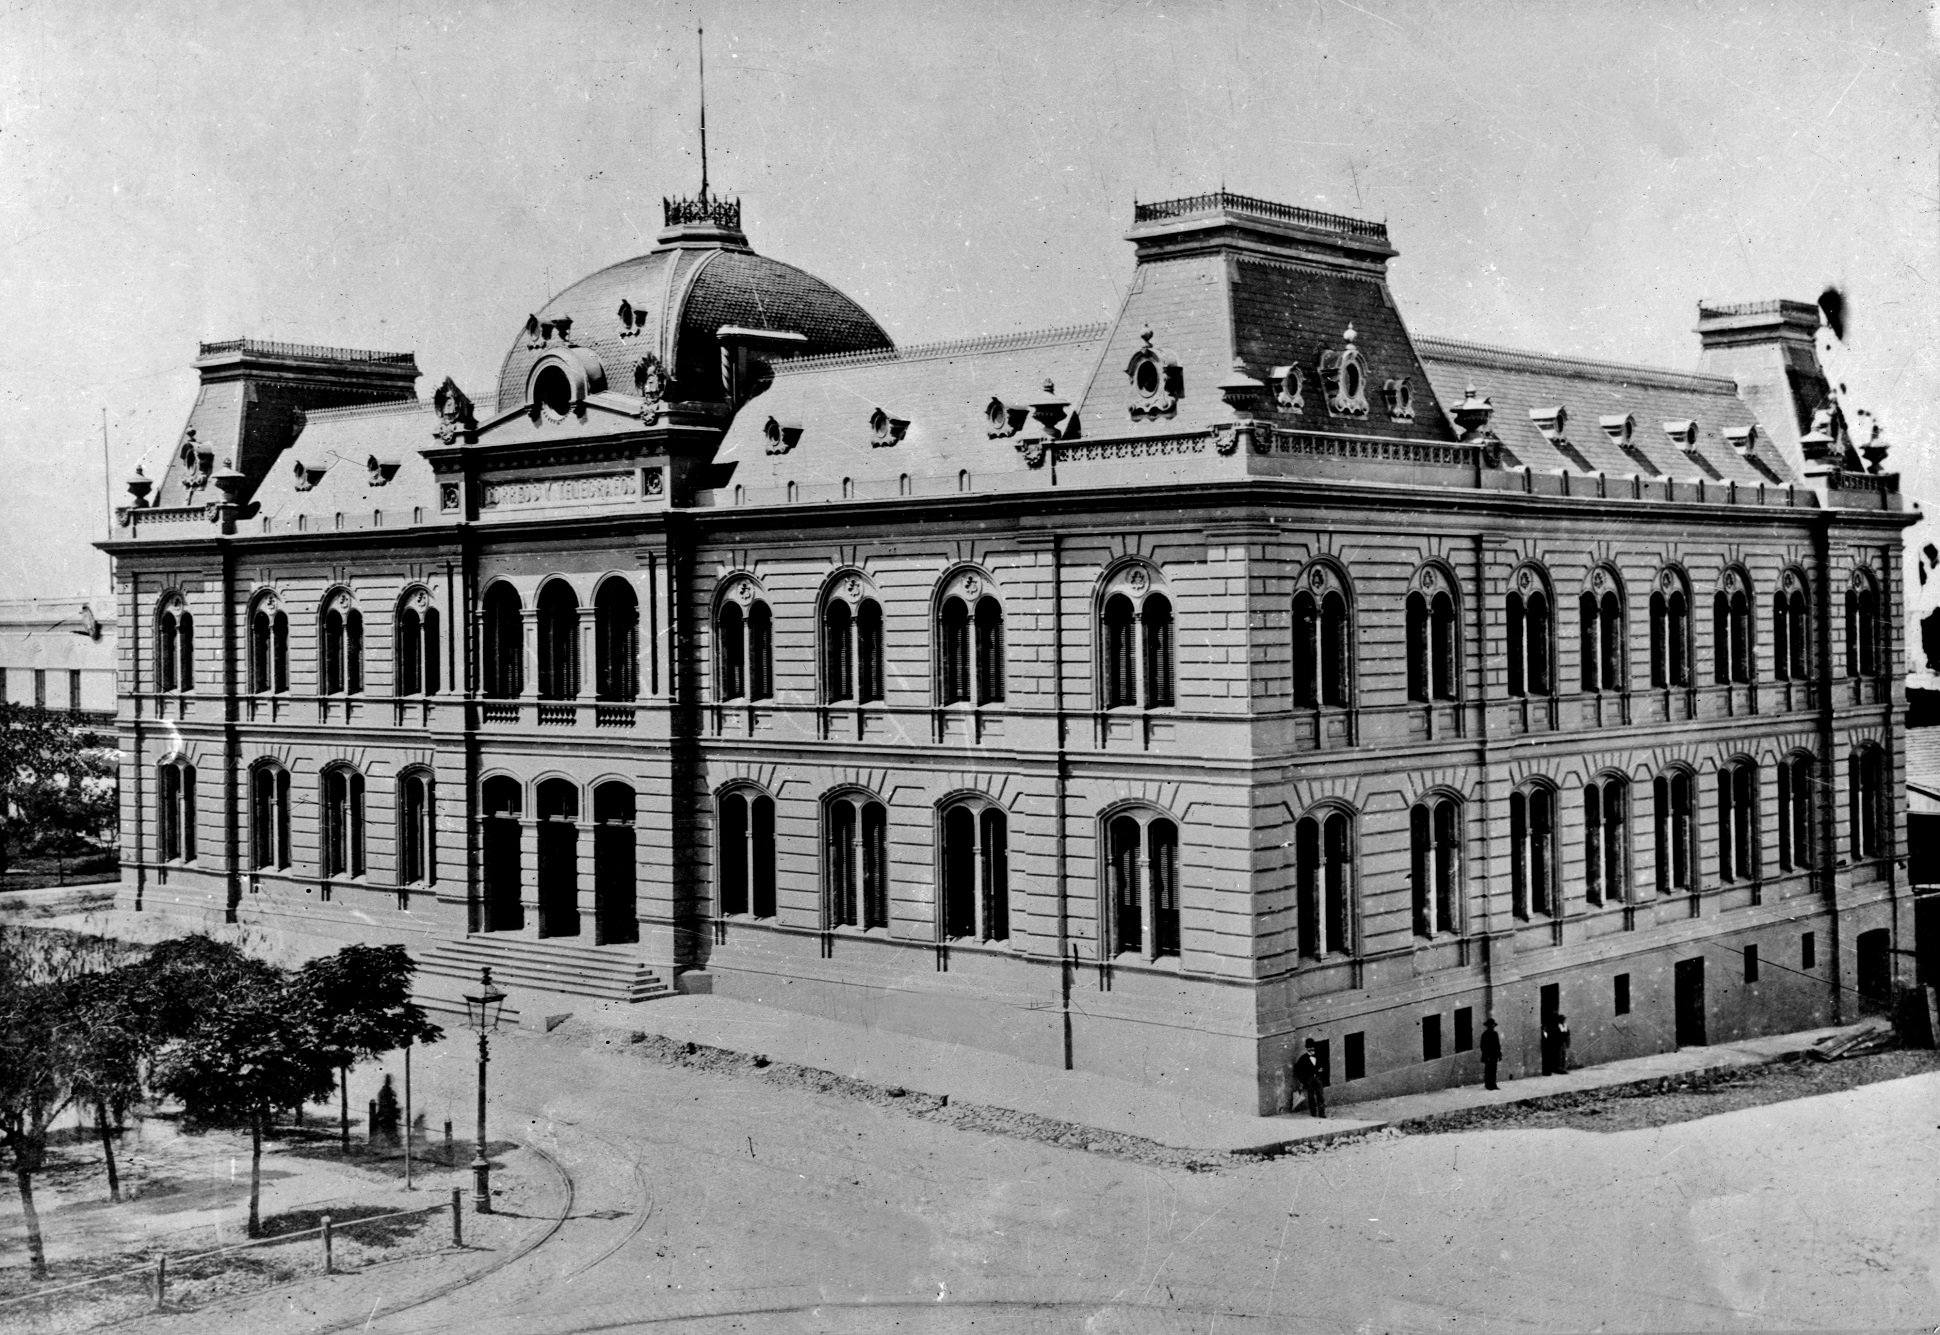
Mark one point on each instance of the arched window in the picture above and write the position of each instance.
(1731, 629)
(1790, 659)
(970, 642)
(976, 872)
(1868, 807)
(856, 834)
(1600, 626)
(175, 828)
(175, 645)
(502, 854)
(1674, 798)
(269, 646)
(417, 643)
(615, 921)
(1142, 875)
(1863, 656)
(1434, 641)
(1323, 652)
(558, 857)
(1531, 635)
(558, 641)
(1670, 631)
(1137, 653)
(1795, 794)
(745, 875)
(616, 641)
(1435, 841)
(1606, 849)
(343, 822)
(744, 644)
(1532, 849)
(342, 648)
(851, 643)
(269, 817)
(504, 649)
(1323, 844)
(417, 824)
(1738, 821)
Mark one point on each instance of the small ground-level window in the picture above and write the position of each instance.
(1464, 1028)
(1751, 964)
(1431, 1038)
(1621, 988)
(1354, 1056)
(1808, 951)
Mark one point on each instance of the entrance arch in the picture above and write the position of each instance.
(558, 812)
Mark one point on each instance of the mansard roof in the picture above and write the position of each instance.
(327, 471)
(1527, 387)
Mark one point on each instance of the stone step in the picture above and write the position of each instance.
(600, 972)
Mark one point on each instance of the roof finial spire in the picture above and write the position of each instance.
(700, 38)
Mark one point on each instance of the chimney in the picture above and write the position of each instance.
(1767, 347)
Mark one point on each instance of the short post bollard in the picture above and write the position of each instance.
(457, 1216)
(161, 1281)
(329, 1262)
(449, 1159)
(370, 1124)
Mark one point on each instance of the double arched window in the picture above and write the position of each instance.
(1600, 632)
(1862, 626)
(1796, 775)
(1868, 807)
(175, 826)
(1738, 820)
(851, 642)
(1142, 884)
(970, 641)
(417, 643)
(745, 871)
(1435, 845)
(175, 645)
(269, 645)
(269, 817)
(1670, 630)
(503, 670)
(417, 823)
(1323, 860)
(1137, 654)
(558, 641)
(343, 822)
(1731, 628)
(342, 645)
(1791, 659)
(976, 871)
(856, 836)
(1434, 639)
(1532, 634)
(616, 641)
(1606, 846)
(1674, 799)
(744, 644)
(1532, 849)
(1323, 652)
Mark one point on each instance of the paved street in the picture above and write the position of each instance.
(712, 1202)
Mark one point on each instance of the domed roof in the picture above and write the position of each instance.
(670, 303)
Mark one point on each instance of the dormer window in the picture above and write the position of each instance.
(381, 470)
(1289, 386)
(1400, 396)
(885, 430)
(197, 461)
(1683, 434)
(553, 391)
(307, 475)
(1002, 419)
(781, 436)
(1343, 378)
(631, 321)
(1157, 382)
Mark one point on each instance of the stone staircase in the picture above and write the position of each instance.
(602, 973)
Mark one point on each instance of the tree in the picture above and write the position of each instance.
(256, 1052)
(42, 767)
(359, 1000)
(112, 1045)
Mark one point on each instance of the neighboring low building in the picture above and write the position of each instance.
(1140, 697)
(59, 653)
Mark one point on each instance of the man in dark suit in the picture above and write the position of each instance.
(1306, 1078)
(1491, 1053)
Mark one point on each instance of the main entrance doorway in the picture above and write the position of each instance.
(1689, 988)
(558, 858)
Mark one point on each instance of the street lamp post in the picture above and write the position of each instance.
(482, 1013)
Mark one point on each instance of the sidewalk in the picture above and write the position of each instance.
(975, 1076)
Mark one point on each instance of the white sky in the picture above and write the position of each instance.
(1567, 178)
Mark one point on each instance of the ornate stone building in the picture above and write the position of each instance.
(1139, 697)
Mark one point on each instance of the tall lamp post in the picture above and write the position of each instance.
(482, 1013)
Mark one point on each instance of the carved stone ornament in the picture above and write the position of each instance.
(1225, 437)
(1138, 581)
(852, 588)
(1598, 579)
(1667, 581)
(455, 415)
(1525, 580)
(447, 495)
(651, 379)
(1731, 583)
(197, 463)
(656, 482)
(743, 591)
(1861, 580)
(1429, 581)
(972, 586)
(1156, 381)
(1033, 449)
(1317, 577)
